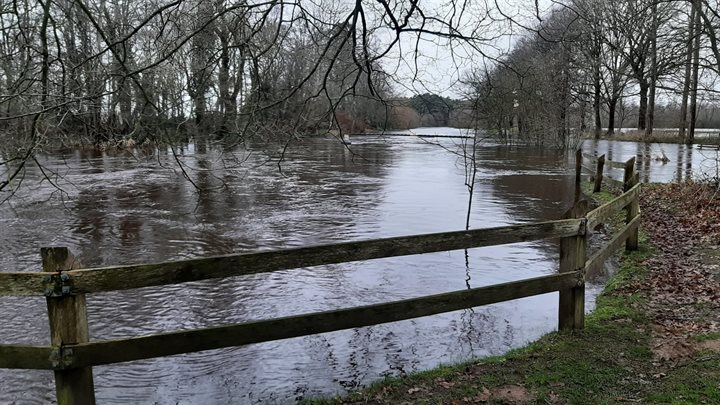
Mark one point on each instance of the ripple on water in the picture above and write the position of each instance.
(127, 210)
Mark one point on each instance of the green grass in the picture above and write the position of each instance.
(707, 336)
(596, 199)
(695, 383)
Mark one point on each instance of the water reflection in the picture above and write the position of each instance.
(686, 162)
(130, 208)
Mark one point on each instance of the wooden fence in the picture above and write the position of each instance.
(72, 354)
(601, 170)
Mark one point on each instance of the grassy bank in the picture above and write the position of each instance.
(623, 355)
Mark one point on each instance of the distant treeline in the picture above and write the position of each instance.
(430, 110)
(98, 71)
(668, 115)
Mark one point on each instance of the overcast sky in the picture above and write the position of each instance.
(440, 64)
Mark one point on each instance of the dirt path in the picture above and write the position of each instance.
(683, 224)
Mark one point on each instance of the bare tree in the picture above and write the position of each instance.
(688, 69)
(105, 71)
(690, 136)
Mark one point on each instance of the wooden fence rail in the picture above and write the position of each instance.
(606, 211)
(71, 354)
(146, 275)
(27, 357)
(611, 163)
(97, 353)
(598, 166)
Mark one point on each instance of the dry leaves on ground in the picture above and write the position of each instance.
(683, 222)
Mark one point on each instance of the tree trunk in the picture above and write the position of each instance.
(93, 80)
(224, 83)
(45, 52)
(201, 61)
(612, 106)
(125, 103)
(597, 96)
(653, 71)
(583, 114)
(238, 85)
(564, 132)
(688, 70)
(690, 138)
(521, 125)
(642, 109)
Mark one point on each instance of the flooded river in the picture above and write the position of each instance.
(693, 162)
(123, 208)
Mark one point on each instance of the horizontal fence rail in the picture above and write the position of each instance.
(117, 351)
(608, 210)
(612, 163)
(28, 357)
(146, 275)
(599, 257)
(26, 283)
(65, 284)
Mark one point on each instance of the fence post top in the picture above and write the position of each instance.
(58, 258)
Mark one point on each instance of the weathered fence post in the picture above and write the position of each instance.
(599, 174)
(67, 313)
(571, 312)
(578, 174)
(630, 179)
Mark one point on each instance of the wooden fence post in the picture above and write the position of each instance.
(67, 314)
(599, 174)
(578, 174)
(571, 312)
(630, 179)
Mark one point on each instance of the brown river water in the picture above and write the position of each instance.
(123, 208)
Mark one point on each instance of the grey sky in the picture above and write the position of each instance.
(436, 65)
